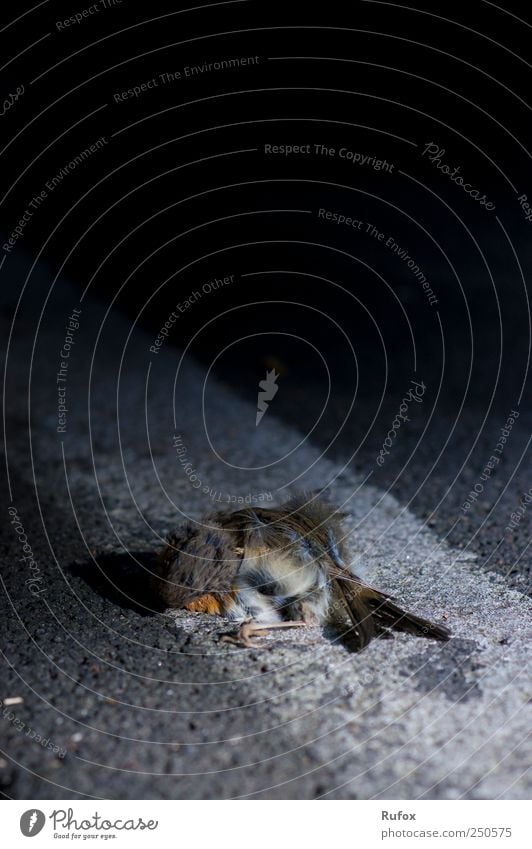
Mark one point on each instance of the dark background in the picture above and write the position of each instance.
(183, 193)
(173, 201)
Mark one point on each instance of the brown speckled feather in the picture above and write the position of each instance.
(197, 560)
(285, 563)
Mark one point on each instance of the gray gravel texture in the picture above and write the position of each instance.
(151, 705)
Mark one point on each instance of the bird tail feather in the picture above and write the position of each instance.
(371, 612)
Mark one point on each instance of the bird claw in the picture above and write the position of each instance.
(250, 629)
(244, 636)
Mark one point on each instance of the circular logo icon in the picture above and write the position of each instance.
(32, 822)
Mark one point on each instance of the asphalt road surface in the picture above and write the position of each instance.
(109, 697)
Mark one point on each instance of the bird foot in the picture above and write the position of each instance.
(249, 630)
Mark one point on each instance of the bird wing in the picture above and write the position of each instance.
(372, 611)
(347, 606)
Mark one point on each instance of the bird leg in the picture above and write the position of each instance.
(250, 628)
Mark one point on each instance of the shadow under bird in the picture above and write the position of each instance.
(277, 568)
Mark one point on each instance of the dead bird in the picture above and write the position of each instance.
(277, 568)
